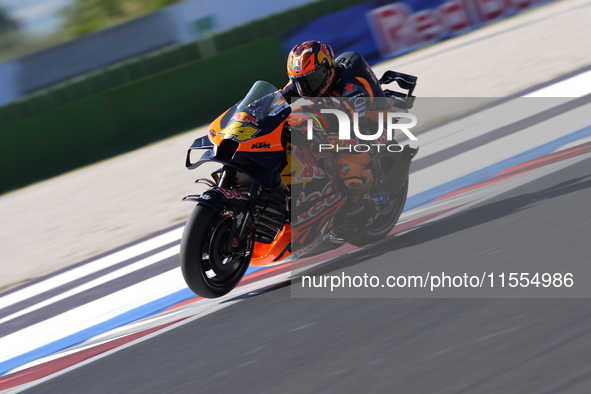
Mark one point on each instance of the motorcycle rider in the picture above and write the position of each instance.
(314, 72)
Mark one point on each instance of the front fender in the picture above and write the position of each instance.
(221, 198)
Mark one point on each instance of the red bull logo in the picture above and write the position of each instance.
(304, 167)
(245, 118)
(324, 54)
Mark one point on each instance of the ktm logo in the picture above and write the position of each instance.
(237, 131)
(261, 145)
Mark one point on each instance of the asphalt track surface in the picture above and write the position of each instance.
(272, 342)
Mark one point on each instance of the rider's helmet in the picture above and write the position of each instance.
(311, 69)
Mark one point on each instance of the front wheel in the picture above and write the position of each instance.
(208, 268)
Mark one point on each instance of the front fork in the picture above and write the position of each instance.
(238, 240)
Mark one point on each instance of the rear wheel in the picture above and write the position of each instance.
(209, 269)
(381, 226)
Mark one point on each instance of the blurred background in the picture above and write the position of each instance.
(83, 80)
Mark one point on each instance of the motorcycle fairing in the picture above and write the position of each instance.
(258, 125)
(249, 136)
(279, 249)
(264, 167)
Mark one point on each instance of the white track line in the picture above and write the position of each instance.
(91, 314)
(502, 114)
(500, 149)
(90, 268)
(153, 259)
(577, 86)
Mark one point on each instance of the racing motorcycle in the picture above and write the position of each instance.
(273, 198)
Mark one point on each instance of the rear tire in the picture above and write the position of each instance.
(208, 269)
(382, 226)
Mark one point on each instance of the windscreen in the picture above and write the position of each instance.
(262, 100)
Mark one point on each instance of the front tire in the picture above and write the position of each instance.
(209, 270)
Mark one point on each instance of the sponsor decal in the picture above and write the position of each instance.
(326, 198)
(245, 118)
(308, 231)
(261, 145)
(349, 87)
(379, 198)
(239, 219)
(398, 28)
(360, 103)
(328, 83)
(232, 194)
(304, 167)
(324, 54)
(280, 108)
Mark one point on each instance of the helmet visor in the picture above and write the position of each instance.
(309, 84)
